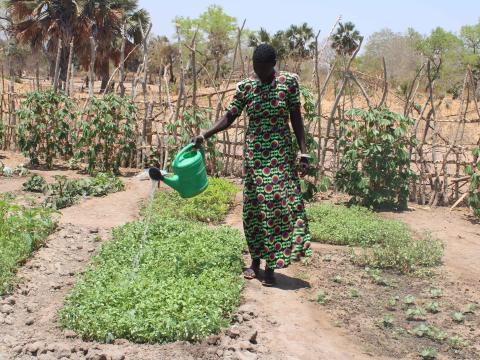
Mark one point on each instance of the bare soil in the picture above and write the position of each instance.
(285, 322)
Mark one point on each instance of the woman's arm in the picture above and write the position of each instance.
(222, 124)
(298, 128)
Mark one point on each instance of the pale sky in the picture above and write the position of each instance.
(368, 15)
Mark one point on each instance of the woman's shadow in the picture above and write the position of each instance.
(285, 282)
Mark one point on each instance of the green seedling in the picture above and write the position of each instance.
(435, 293)
(470, 309)
(422, 330)
(322, 297)
(388, 320)
(416, 314)
(428, 353)
(457, 342)
(409, 300)
(327, 258)
(458, 317)
(337, 279)
(392, 303)
(433, 307)
(354, 293)
(437, 334)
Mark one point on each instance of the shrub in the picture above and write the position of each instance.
(186, 285)
(210, 206)
(385, 243)
(45, 119)
(474, 190)
(375, 167)
(36, 183)
(22, 230)
(107, 133)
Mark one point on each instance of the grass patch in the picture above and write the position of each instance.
(385, 243)
(185, 287)
(211, 206)
(187, 281)
(22, 231)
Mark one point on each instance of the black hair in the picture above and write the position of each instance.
(264, 53)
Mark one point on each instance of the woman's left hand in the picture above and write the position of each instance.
(304, 166)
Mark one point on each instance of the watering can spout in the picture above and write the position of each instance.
(173, 181)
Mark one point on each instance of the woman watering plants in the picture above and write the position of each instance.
(274, 217)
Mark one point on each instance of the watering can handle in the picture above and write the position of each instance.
(187, 149)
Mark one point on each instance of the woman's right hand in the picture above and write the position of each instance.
(198, 141)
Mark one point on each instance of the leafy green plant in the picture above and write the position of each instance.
(388, 320)
(337, 279)
(375, 166)
(45, 122)
(428, 353)
(421, 330)
(210, 206)
(106, 136)
(435, 293)
(36, 183)
(470, 309)
(185, 287)
(392, 303)
(409, 300)
(473, 171)
(433, 307)
(322, 297)
(415, 314)
(458, 317)
(354, 293)
(376, 276)
(22, 231)
(456, 342)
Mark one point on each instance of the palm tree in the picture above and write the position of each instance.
(42, 23)
(278, 41)
(104, 19)
(346, 39)
(299, 40)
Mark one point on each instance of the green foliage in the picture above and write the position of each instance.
(470, 309)
(435, 293)
(433, 307)
(210, 206)
(35, 184)
(409, 300)
(388, 320)
(346, 39)
(473, 198)
(375, 167)
(65, 192)
(44, 131)
(106, 137)
(415, 314)
(458, 317)
(22, 231)
(322, 297)
(428, 353)
(456, 342)
(186, 285)
(385, 243)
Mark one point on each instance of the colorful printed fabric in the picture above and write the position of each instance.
(274, 217)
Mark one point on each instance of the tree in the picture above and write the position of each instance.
(278, 41)
(470, 35)
(163, 53)
(43, 23)
(346, 39)
(300, 43)
(398, 50)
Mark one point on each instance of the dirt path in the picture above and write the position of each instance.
(458, 232)
(291, 327)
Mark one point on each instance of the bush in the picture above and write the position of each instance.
(385, 243)
(375, 167)
(45, 119)
(210, 206)
(186, 285)
(473, 199)
(107, 134)
(22, 231)
(66, 192)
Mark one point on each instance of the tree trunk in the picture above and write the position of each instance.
(105, 75)
(217, 69)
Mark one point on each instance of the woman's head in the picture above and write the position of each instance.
(264, 60)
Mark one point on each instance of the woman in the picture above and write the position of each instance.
(274, 218)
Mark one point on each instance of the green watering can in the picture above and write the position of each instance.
(190, 176)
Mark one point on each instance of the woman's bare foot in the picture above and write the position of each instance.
(252, 271)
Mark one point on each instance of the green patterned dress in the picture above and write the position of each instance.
(274, 217)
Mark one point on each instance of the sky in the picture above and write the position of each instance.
(368, 15)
